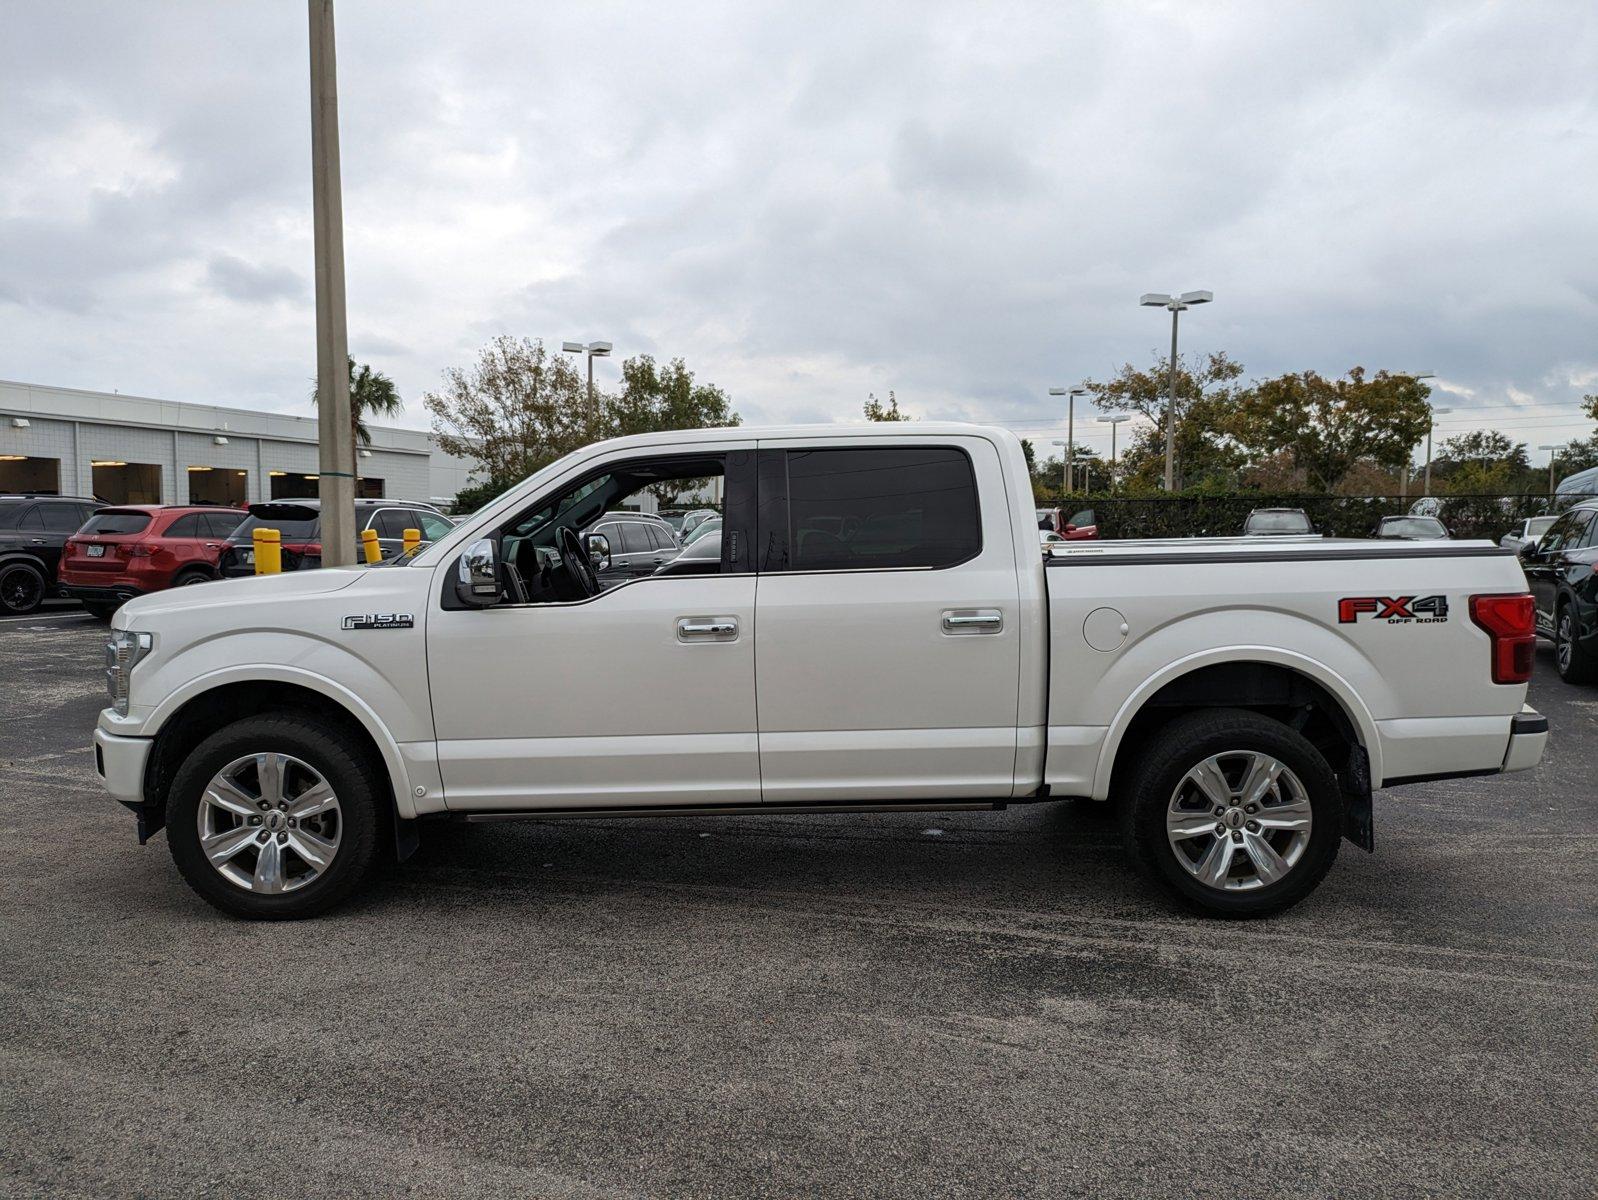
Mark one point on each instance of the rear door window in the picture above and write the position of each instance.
(870, 509)
(61, 518)
(634, 537)
(186, 526)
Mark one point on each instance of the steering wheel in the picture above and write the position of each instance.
(574, 562)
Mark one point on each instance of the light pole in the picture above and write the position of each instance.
(1176, 305)
(335, 438)
(590, 350)
(1065, 485)
(1436, 412)
(1553, 457)
(1403, 471)
(1113, 421)
(1070, 432)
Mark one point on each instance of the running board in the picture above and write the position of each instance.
(729, 810)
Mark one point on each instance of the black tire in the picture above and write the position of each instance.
(101, 610)
(192, 576)
(328, 750)
(1186, 742)
(22, 587)
(1575, 663)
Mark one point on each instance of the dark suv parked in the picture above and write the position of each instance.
(300, 524)
(32, 531)
(1562, 572)
(639, 545)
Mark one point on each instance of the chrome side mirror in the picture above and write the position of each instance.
(599, 551)
(477, 583)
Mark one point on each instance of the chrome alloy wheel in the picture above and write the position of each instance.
(1239, 820)
(1564, 639)
(269, 823)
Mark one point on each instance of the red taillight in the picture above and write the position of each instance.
(1511, 623)
(140, 550)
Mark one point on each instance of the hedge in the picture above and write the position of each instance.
(1335, 516)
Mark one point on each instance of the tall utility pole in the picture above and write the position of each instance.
(1070, 432)
(335, 438)
(591, 350)
(1176, 305)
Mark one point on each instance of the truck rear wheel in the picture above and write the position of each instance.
(1237, 814)
(273, 818)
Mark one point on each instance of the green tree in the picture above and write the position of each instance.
(1205, 390)
(876, 410)
(1581, 454)
(1329, 425)
(372, 393)
(518, 408)
(655, 398)
(1483, 462)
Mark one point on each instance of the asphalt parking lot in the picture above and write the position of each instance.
(961, 1004)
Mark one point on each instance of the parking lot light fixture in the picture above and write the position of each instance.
(590, 350)
(1403, 471)
(1064, 482)
(1070, 431)
(1175, 305)
(1435, 413)
(1113, 421)
(1553, 457)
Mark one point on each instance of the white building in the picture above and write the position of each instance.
(136, 450)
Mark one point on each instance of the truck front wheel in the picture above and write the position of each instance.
(273, 817)
(1237, 814)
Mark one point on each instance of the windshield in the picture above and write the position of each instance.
(1278, 522)
(300, 530)
(111, 521)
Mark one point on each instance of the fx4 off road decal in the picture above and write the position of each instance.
(1393, 610)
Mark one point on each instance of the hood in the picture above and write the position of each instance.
(250, 590)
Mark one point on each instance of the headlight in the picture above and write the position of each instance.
(122, 654)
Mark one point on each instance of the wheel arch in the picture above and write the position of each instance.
(193, 713)
(1257, 678)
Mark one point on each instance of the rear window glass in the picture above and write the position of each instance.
(117, 522)
(863, 509)
(1278, 522)
(292, 530)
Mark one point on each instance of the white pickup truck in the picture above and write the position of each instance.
(880, 631)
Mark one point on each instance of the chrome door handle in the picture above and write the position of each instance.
(972, 620)
(702, 628)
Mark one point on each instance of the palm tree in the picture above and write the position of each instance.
(371, 393)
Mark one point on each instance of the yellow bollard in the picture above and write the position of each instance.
(413, 541)
(374, 552)
(268, 551)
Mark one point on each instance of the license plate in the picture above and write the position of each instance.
(94, 551)
(247, 557)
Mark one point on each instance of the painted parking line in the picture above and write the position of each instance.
(31, 617)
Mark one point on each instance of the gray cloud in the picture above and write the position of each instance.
(960, 202)
(251, 284)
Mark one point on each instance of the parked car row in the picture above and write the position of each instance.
(104, 555)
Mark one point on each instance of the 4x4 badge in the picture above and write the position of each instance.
(379, 621)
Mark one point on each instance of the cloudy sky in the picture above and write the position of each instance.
(809, 202)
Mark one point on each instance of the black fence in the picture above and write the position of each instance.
(1335, 516)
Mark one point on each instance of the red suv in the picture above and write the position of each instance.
(137, 548)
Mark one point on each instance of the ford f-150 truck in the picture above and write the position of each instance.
(878, 632)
